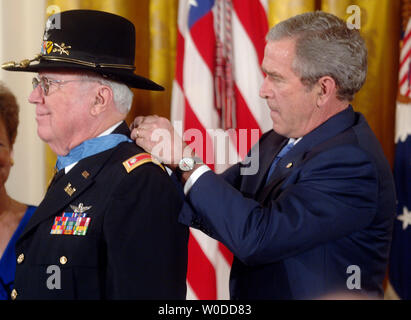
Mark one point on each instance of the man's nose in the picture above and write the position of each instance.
(36, 96)
(265, 91)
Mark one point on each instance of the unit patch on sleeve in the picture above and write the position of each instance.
(138, 160)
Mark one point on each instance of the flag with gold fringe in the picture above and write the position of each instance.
(400, 260)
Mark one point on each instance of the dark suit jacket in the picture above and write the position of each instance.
(329, 205)
(134, 247)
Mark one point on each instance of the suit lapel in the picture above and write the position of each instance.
(75, 182)
(332, 127)
(268, 149)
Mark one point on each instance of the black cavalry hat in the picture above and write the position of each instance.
(88, 40)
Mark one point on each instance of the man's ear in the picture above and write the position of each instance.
(327, 88)
(103, 99)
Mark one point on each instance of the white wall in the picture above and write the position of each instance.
(21, 30)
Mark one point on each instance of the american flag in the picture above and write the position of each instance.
(220, 48)
(400, 259)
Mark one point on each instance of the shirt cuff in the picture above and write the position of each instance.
(169, 171)
(194, 177)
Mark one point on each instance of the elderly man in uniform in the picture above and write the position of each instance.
(317, 217)
(107, 227)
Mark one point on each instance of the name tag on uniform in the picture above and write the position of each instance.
(71, 223)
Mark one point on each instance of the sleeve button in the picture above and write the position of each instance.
(20, 258)
(63, 260)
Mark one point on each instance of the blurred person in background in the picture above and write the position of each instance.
(13, 214)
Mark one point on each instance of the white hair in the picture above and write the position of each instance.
(122, 95)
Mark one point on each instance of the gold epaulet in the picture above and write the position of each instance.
(138, 160)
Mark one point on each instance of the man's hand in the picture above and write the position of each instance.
(157, 136)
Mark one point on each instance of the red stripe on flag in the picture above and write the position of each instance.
(250, 12)
(228, 256)
(200, 272)
(407, 36)
(191, 122)
(404, 60)
(202, 33)
(245, 120)
(403, 79)
(180, 59)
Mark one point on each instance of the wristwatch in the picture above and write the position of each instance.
(187, 163)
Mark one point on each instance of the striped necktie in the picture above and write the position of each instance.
(277, 158)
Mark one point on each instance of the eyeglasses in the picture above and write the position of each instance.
(45, 83)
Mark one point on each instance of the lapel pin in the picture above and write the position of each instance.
(85, 174)
(69, 189)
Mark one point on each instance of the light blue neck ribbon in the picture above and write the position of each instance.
(89, 148)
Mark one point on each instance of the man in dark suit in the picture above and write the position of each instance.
(107, 227)
(316, 220)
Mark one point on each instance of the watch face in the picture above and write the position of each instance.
(186, 164)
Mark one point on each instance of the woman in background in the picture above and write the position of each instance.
(13, 214)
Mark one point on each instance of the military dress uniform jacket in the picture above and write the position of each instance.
(133, 248)
(321, 225)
